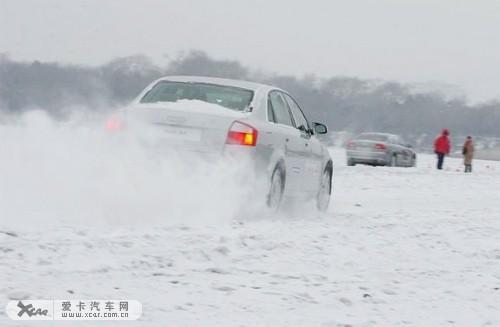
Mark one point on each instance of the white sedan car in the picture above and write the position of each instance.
(216, 116)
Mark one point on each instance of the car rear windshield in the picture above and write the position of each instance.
(227, 96)
(373, 137)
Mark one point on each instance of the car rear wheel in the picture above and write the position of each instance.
(276, 190)
(324, 192)
(350, 162)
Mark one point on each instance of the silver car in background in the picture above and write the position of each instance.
(380, 149)
(214, 116)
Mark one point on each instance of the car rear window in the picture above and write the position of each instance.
(373, 137)
(227, 96)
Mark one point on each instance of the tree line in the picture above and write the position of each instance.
(343, 103)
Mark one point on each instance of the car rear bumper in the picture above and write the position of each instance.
(245, 158)
(369, 157)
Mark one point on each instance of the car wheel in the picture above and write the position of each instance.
(276, 190)
(325, 191)
(350, 162)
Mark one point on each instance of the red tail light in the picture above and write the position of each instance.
(380, 146)
(241, 134)
(351, 144)
(115, 124)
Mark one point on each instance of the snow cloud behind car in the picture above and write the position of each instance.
(77, 171)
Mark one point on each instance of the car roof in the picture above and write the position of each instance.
(375, 133)
(215, 80)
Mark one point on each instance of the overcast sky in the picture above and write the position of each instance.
(449, 41)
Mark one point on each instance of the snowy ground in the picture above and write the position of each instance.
(399, 247)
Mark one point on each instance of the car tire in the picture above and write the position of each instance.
(275, 195)
(325, 191)
(350, 163)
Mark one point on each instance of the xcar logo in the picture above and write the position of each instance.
(30, 310)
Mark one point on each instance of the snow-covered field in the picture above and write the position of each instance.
(398, 247)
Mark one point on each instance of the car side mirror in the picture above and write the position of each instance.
(320, 128)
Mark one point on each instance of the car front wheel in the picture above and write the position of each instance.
(324, 192)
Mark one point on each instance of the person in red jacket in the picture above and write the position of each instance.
(442, 147)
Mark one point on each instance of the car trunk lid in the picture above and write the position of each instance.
(368, 145)
(187, 124)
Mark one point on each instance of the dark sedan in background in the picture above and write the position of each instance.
(380, 149)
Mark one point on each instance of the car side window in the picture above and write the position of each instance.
(279, 108)
(270, 111)
(298, 116)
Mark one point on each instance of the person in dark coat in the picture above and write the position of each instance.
(442, 147)
(468, 152)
